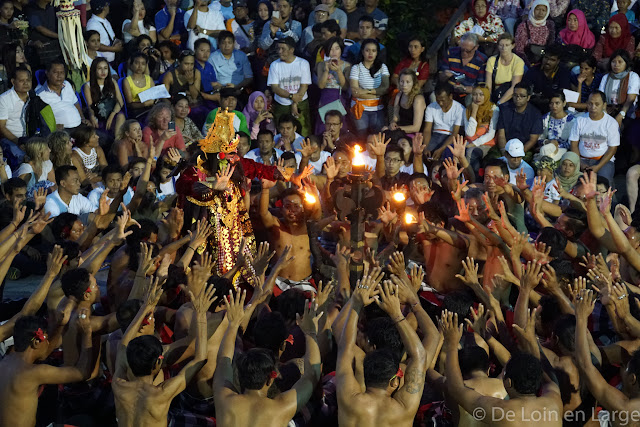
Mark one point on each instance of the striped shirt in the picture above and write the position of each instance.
(473, 71)
(361, 73)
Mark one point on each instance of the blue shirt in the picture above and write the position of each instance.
(293, 29)
(207, 76)
(233, 70)
(514, 172)
(162, 20)
(256, 157)
(227, 11)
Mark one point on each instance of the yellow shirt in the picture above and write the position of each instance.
(135, 90)
(505, 73)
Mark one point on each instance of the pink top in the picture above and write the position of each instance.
(175, 141)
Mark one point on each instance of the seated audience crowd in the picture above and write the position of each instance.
(235, 214)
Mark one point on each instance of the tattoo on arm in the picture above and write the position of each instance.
(414, 379)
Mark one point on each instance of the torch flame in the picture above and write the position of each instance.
(309, 198)
(399, 197)
(358, 159)
(409, 219)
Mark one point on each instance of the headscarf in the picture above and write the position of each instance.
(249, 112)
(485, 110)
(477, 18)
(583, 36)
(532, 19)
(568, 182)
(258, 24)
(611, 44)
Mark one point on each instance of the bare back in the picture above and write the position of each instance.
(366, 409)
(18, 395)
(240, 410)
(139, 404)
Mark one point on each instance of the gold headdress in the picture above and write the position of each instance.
(221, 137)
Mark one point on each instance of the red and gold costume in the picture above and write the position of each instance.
(225, 210)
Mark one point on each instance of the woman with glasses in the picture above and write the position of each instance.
(185, 79)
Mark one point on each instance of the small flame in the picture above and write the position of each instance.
(409, 219)
(399, 197)
(358, 159)
(309, 198)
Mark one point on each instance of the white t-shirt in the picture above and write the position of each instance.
(595, 136)
(78, 205)
(317, 165)
(361, 73)
(444, 122)
(94, 197)
(143, 30)
(12, 110)
(26, 168)
(633, 88)
(550, 193)
(212, 19)
(289, 76)
(168, 188)
(107, 36)
(63, 105)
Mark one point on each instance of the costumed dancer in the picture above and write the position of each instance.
(215, 188)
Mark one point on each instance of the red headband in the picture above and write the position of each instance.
(273, 375)
(290, 339)
(38, 334)
(399, 374)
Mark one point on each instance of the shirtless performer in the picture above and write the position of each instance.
(21, 377)
(625, 401)
(139, 402)
(291, 230)
(523, 377)
(384, 402)
(256, 373)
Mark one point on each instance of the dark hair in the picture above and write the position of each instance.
(185, 54)
(242, 134)
(422, 43)
(134, 160)
(382, 333)
(57, 61)
(549, 310)
(601, 180)
(75, 282)
(265, 132)
(367, 18)
(327, 48)
(558, 94)
(473, 358)
(289, 303)
(142, 37)
(433, 212)
(525, 373)
(565, 330)
(444, 87)
(287, 118)
(379, 367)
(625, 57)
(255, 367)
(377, 62)
(19, 69)
(576, 221)
(109, 169)
(70, 248)
(223, 286)
(458, 302)
(499, 163)
(138, 54)
(332, 26)
(270, 331)
(13, 184)
(228, 92)
(146, 21)
(90, 33)
(109, 88)
(333, 113)
(553, 50)
(394, 148)
(24, 331)
(287, 155)
(61, 225)
(175, 51)
(83, 133)
(62, 172)
(198, 42)
(143, 353)
(523, 85)
(602, 95)
(127, 312)
(9, 58)
(633, 365)
(591, 61)
(224, 34)
(554, 239)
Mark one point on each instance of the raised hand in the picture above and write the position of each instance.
(459, 147)
(605, 204)
(309, 321)
(507, 275)
(342, 255)
(386, 215)
(55, 260)
(470, 277)
(550, 279)
(478, 320)
(40, 222)
(84, 321)
(144, 260)
(285, 260)
(532, 275)
(174, 156)
(451, 329)
(222, 178)
(463, 212)
(19, 211)
(39, 198)
(397, 264)
(489, 204)
(153, 292)
(202, 233)
(451, 168)
(306, 150)
(521, 180)
(388, 300)
(235, 307)
(205, 298)
(583, 303)
(579, 284)
(457, 195)
(420, 193)
(323, 294)
(378, 146)
(417, 276)
(263, 256)
(589, 181)
(417, 145)
(297, 178)
(527, 335)
(330, 168)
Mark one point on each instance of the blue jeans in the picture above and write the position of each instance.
(371, 122)
(12, 152)
(436, 141)
(606, 171)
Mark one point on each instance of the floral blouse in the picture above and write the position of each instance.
(506, 9)
(557, 129)
(542, 36)
(191, 133)
(492, 27)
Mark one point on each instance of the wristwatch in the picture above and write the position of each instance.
(204, 32)
(623, 113)
(290, 96)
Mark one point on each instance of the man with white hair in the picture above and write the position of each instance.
(465, 65)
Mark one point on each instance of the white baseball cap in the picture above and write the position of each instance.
(515, 148)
